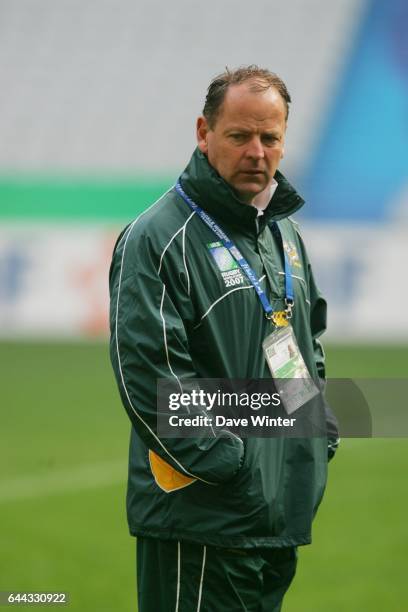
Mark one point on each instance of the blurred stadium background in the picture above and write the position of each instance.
(97, 109)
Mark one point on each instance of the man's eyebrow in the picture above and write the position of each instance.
(241, 130)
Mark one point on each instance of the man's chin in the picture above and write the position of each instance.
(248, 191)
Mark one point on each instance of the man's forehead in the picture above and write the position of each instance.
(242, 107)
(241, 103)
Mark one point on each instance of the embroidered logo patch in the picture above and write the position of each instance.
(292, 253)
(230, 270)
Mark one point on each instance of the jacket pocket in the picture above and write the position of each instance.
(166, 477)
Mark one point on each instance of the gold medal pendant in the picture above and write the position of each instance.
(279, 318)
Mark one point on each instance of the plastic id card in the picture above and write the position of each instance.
(294, 384)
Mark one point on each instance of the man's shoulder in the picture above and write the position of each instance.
(293, 241)
(160, 217)
(158, 223)
(290, 226)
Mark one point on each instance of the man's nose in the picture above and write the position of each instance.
(255, 149)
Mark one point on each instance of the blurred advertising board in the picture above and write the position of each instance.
(54, 279)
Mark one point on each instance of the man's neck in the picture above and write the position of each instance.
(262, 199)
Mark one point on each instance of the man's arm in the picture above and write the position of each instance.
(148, 342)
(318, 318)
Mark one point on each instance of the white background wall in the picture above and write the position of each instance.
(116, 85)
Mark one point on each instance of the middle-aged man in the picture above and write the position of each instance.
(218, 519)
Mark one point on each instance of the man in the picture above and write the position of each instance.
(218, 519)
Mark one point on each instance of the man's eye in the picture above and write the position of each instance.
(269, 139)
(237, 137)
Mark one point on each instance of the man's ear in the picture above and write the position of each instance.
(202, 134)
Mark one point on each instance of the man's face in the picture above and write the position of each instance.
(246, 143)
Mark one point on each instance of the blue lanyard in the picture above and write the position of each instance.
(241, 261)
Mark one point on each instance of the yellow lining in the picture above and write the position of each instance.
(166, 477)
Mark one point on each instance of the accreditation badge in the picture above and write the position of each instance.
(294, 383)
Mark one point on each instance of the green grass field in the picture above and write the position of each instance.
(63, 458)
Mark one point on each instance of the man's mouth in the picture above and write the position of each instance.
(252, 172)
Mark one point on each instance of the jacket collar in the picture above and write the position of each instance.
(206, 187)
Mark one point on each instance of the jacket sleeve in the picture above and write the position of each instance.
(149, 342)
(318, 319)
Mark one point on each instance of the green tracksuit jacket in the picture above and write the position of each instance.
(176, 313)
